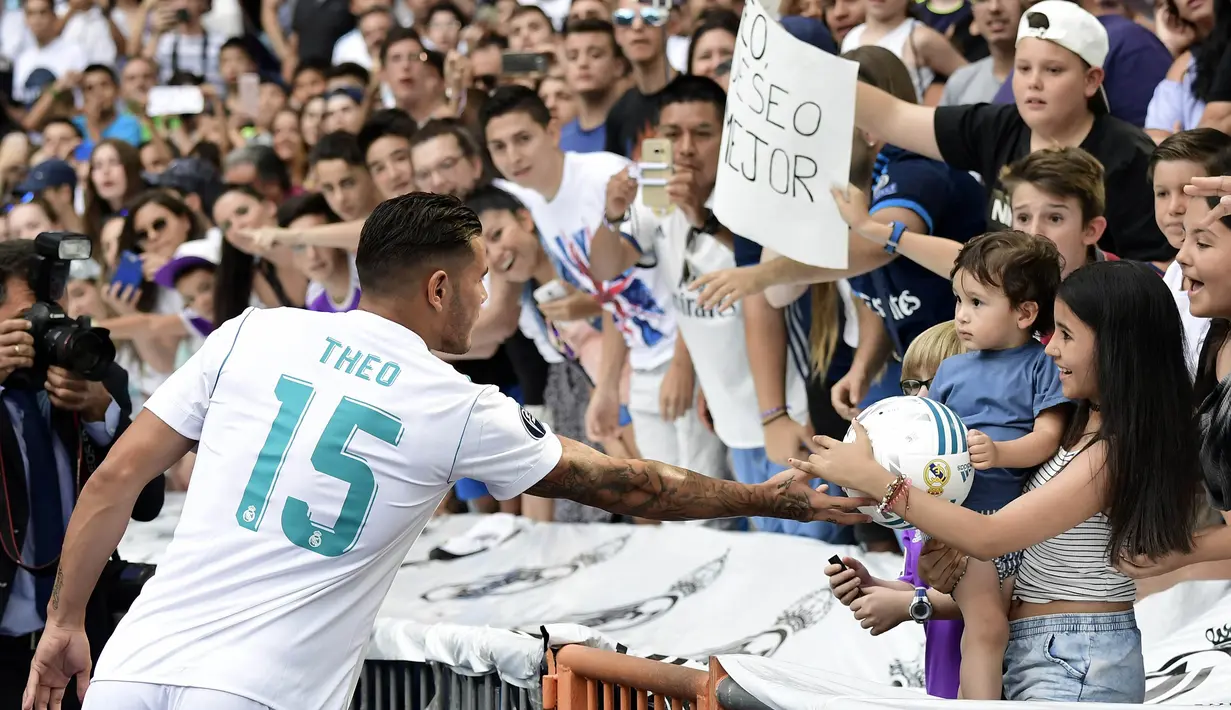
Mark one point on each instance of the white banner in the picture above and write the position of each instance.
(786, 141)
(682, 593)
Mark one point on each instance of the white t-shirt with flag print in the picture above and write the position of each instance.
(326, 441)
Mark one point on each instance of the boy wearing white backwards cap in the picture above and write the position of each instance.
(1059, 101)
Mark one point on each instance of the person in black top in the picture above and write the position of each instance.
(1059, 102)
(641, 32)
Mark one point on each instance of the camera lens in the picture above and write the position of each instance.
(81, 349)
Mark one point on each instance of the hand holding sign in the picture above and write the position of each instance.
(786, 139)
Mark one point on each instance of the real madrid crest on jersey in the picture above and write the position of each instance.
(533, 427)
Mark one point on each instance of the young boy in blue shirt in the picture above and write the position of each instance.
(1007, 391)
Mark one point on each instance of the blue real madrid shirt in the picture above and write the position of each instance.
(950, 202)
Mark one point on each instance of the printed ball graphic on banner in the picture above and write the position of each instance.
(924, 440)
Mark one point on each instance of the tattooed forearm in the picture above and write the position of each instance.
(55, 589)
(650, 489)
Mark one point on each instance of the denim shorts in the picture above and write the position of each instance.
(1075, 658)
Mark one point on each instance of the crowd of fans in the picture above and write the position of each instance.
(222, 155)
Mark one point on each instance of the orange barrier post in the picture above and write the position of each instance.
(578, 676)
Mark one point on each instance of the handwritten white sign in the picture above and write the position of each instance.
(786, 141)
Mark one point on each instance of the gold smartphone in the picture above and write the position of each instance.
(656, 169)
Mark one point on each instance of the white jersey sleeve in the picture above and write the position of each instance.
(181, 401)
(504, 446)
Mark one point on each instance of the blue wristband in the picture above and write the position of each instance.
(891, 246)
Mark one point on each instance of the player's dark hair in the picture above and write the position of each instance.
(439, 127)
(409, 232)
(307, 204)
(1025, 267)
(491, 198)
(338, 145)
(1145, 399)
(386, 122)
(513, 99)
(689, 88)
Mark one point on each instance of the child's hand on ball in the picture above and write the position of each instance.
(982, 450)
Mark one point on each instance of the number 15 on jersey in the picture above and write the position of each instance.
(331, 456)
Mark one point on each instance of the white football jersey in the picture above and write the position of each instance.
(326, 441)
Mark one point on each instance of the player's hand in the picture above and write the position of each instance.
(724, 288)
(1216, 186)
(880, 609)
(62, 654)
(847, 584)
(675, 393)
(75, 394)
(796, 499)
(848, 392)
(852, 205)
(941, 567)
(621, 191)
(784, 438)
(16, 347)
(847, 465)
(602, 414)
(982, 450)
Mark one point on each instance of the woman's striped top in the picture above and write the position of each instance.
(1073, 566)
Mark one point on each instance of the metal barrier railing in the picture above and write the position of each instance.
(406, 685)
(582, 678)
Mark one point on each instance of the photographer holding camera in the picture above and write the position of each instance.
(64, 403)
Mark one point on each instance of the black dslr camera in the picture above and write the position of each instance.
(70, 343)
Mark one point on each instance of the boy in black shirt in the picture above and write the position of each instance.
(1059, 102)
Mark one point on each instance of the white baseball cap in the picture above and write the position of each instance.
(1071, 27)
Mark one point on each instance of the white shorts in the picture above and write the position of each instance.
(125, 695)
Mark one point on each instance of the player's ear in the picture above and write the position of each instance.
(437, 289)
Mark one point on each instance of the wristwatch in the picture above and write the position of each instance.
(920, 608)
(711, 225)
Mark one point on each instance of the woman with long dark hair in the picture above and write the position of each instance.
(1125, 481)
(114, 179)
(1197, 88)
(247, 276)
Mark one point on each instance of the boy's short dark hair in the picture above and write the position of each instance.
(595, 26)
(349, 70)
(1023, 266)
(440, 127)
(101, 69)
(491, 198)
(535, 9)
(62, 121)
(397, 33)
(1199, 145)
(312, 64)
(1063, 172)
(338, 145)
(236, 43)
(513, 99)
(386, 122)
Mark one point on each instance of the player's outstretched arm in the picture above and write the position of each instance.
(658, 491)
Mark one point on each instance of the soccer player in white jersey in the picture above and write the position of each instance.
(324, 442)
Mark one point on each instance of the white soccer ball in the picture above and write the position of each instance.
(923, 439)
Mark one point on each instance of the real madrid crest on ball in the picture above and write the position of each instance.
(533, 426)
(924, 440)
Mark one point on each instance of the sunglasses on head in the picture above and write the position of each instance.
(652, 16)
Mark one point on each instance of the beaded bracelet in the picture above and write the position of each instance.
(892, 492)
